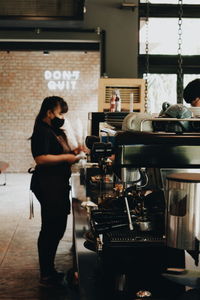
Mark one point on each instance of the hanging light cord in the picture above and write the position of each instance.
(180, 58)
(147, 56)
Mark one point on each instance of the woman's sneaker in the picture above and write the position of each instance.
(60, 275)
(55, 281)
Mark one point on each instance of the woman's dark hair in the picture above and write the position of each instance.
(50, 103)
(192, 91)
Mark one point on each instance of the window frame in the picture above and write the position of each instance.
(169, 10)
(168, 64)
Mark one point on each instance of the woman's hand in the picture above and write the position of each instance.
(71, 158)
(81, 149)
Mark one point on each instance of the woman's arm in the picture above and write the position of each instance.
(55, 159)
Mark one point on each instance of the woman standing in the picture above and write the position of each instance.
(50, 183)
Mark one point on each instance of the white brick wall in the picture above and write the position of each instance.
(23, 87)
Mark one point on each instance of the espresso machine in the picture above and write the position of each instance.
(134, 228)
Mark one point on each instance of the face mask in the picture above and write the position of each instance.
(57, 122)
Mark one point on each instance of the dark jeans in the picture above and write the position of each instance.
(53, 194)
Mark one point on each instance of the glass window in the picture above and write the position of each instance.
(163, 36)
(161, 88)
(170, 1)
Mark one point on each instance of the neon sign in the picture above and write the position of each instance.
(61, 80)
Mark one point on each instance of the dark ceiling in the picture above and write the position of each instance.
(41, 9)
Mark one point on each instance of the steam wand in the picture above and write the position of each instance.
(143, 174)
(130, 223)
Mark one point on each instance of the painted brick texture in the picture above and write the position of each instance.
(23, 87)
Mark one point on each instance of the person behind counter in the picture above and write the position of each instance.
(191, 93)
(50, 183)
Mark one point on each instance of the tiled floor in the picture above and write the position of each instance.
(19, 270)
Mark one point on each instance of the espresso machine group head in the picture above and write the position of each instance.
(99, 151)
